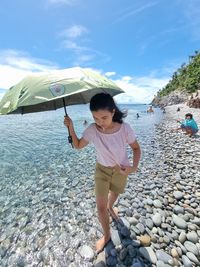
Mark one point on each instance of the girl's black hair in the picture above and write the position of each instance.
(105, 101)
(189, 115)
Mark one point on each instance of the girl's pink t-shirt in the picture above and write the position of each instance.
(111, 148)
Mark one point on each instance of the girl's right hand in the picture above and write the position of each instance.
(68, 122)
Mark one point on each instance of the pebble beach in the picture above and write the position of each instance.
(159, 212)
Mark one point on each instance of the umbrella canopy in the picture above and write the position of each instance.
(41, 92)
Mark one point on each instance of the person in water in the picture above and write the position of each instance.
(150, 110)
(85, 122)
(110, 135)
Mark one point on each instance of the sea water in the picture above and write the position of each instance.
(30, 139)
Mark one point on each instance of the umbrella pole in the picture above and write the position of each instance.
(69, 136)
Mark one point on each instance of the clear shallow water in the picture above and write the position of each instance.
(29, 140)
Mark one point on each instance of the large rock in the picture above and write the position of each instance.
(194, 100)
(175, 97)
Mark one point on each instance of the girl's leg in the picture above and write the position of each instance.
(102, 203)
(112, 197)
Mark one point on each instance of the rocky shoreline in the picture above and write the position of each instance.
(53, 222)
(161, 207)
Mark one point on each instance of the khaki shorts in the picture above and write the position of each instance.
(108, 179)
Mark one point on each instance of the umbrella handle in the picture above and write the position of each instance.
(69, 136)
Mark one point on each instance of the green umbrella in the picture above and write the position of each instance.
(42, 92)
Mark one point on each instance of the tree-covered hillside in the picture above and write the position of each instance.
(186, 78)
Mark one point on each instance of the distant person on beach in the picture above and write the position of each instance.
(137, 115)
(150, 110)
(109, 134)
(189, 125)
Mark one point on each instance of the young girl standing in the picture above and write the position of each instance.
(109, 134)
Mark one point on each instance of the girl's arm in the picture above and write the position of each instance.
(136, 155)
(136, 158)
(78, 143)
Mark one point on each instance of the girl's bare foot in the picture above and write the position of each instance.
(114, 213)
(101, 243)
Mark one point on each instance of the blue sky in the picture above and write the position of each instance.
(136, 43)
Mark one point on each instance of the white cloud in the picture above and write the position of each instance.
(110, 73)
(15, 65)
(140, 89)
(74, 46)
(74, 31)
(73, 39)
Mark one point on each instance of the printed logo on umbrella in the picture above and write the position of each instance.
(57, 89)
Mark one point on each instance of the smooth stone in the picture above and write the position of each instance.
(157, 219)
(191, 248)
(179, 222)
(160, 264)
(148, 254)
(182, 237)
(140, 227)
(193, 237)
(149, 223)
(125, 222)
(125, 231)
(145, 240)
(123, 253)
(133, 221)
(86, 252)
(137, 263)
(113, 252)
(154, 230)
(174, 253)
(149, 201)
(178, 195)
(184, 250)
(166, 240)
(111, 261)
(196, 221)
(163, 256)
(192, 227)
(157, 203)
(192, 257)
(186, 261)
(178, 209)
(115, 237)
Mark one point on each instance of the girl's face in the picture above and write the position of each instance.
(103, 118)
(187, 117)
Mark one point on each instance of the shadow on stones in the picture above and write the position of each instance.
(127, 253)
